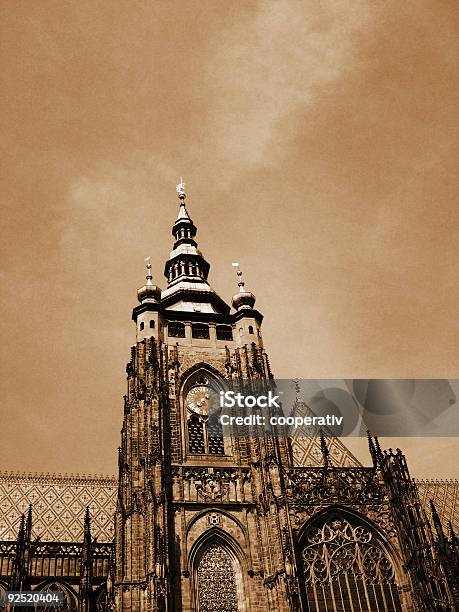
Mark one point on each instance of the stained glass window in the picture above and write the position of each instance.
(217, 590)
(69, 605)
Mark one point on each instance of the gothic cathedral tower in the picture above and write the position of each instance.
(201, 520)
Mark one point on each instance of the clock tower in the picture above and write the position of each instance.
(210, 519)
(198, 507)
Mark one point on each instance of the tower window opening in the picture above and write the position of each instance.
(142, 325)
(152, 324)
(201, 331)
(224, 332)
(176, 330)
(250, 329)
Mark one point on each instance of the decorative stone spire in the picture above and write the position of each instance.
(325, 451)
(437, 522)
(28, 532)
(85, 591)
(244, 299)
(19, 573)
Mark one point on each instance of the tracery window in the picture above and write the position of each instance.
(216, 578)
(69, 605)
(344, 567)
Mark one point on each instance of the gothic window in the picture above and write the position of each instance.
(216, 581)
(70, 604)
(344, 567)
(176, 330)
(199, 330)
(224, 332)
(205, 433)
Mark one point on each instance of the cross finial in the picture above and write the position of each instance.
(181, 189)
(149, 276)
(239, 275)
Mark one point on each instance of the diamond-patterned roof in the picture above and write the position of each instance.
(306, 447)
(59, 503)
(445, 494)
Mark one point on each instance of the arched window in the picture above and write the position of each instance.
(200, 330)
(152, 324)
(204, 430)
(142, 325)
(344, 567)
(176, 330)
(217, 578)
(250, 329)
(70, 602)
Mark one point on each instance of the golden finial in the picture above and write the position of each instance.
(239, 275)
(181, 189)
(149, 276)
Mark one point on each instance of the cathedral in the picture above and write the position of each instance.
(200, 520)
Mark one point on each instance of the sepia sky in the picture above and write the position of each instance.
(319, 145)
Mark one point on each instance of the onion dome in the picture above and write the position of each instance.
(243, 299)
(149, 292)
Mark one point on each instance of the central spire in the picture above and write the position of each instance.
(186, 270)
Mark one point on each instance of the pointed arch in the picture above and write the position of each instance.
(225, 514)
(345, 562)
(202, 430)
(218, 570)
(201, 365)
(70, 597)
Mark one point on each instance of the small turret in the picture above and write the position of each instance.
(247, 319)
(149, 292)
(243, 299)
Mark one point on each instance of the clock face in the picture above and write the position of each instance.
(197, 400)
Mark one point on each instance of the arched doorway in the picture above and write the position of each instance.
(344, 566)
